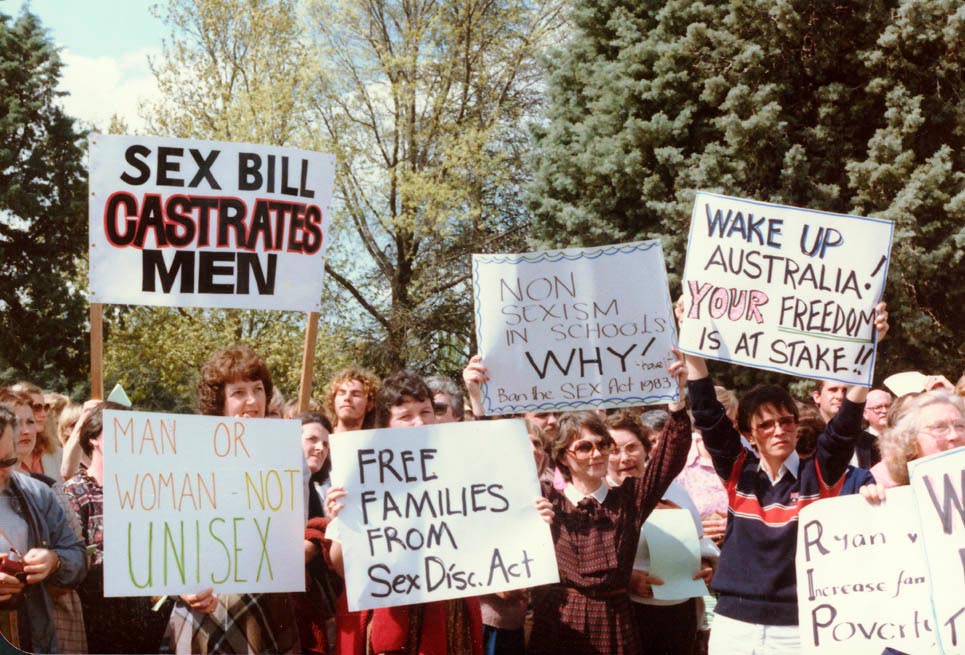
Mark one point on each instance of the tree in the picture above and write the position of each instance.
(422, 104)
(42, 215)
(231, 70)
(854, 107)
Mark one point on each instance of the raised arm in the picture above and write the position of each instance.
(474, 375)
(670, 455)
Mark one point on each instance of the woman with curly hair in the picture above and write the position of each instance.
(918, 426)
(235, 382)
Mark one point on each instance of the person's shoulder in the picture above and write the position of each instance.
(30, 485)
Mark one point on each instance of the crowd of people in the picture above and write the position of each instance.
(742, 463)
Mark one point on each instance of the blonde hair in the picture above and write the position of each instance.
(67, 420)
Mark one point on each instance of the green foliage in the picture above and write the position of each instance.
(42, 215)
(849, 107)
(422, 104)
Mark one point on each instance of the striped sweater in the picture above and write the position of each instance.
(755, 575)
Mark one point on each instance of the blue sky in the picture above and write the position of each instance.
(105, 44)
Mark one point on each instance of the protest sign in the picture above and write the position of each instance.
(192, 502)
(939, 485)
(438, 512)
(573, 329)
(861, 577)
(187, 223)
(784, 289)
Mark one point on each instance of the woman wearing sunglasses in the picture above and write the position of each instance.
(595, 531)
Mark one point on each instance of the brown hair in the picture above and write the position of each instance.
(630, 423)
(44, 443)
(568, 429)
(93, 426)
(230, 365)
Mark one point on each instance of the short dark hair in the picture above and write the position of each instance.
(759, 396)
(397, 389)
(308, 418)
(94, 425)
(229, 365)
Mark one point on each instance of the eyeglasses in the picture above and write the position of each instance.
(632, 448)
(786, 423)
(880, 409)
(584, 449)
(943, 429)
(7, 463)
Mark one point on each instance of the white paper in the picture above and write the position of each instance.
(583, 328)
(192, 502)
(439, 512)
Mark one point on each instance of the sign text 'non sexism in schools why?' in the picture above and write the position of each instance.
(784, 289)
(439, 512)
(574, 329)
(192, 502)
(187, 223)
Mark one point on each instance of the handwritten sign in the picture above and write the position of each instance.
(862, 577)
(784, 289)
(574, 329)
(438, 512)
(939, 485)
(189, 223)
(201, 501)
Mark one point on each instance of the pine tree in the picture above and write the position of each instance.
(848, 107)
(42, 215)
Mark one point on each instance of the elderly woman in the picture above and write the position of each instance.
(595, 533)
(922, 425)
(666, 626)
(235, 382)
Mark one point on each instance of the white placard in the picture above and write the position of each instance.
(438, 512)
(784, 289)
(583, 328)
(862, 577)
(188, 223)
(939, 485)
(192, 502)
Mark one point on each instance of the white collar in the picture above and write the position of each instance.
(574, 495)
(790, 465)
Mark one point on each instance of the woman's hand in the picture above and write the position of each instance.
(641, 583)
(9, 585)
(39, 563)
(332, 504)
(678, 370)
(715, 526)
(545, 509)
(205, 602)
(881, 320)
(873, 493)
(473, 376)
(706, 572)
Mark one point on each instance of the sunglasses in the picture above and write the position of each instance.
(786, 423)
(584, 449)
(7, 463)
(40, 406)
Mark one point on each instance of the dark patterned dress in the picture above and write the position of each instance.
(589, 611)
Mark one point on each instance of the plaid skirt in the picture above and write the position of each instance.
(242, 624)
(568, 621)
